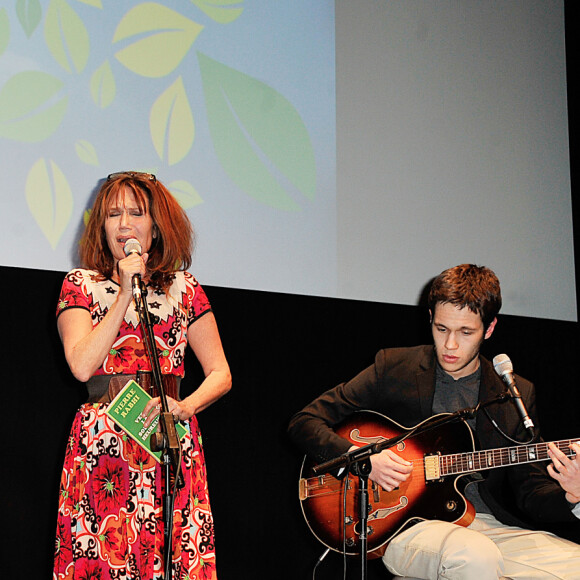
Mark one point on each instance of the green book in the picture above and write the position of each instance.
(125, 409)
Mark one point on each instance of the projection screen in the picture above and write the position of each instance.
(342, 149)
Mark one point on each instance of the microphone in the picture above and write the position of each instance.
(504, 368)
(132, 246)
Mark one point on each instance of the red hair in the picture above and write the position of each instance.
(172, 247)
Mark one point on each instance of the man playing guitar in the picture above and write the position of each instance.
(409, 385)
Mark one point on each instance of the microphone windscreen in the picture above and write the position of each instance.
(132, 245)
(502, 364)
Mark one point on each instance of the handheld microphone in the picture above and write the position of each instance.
(504, 368)
(132, 246)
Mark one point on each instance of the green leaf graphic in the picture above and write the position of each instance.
(160, 38)
(49, 199)
(66, 36)
(30, 110)
(185, 193)
(103, 86)
(4, 30)
(87, 152)
(95, 3)
(257, 132)
(171, 124)
(221, 11)
(29, 13)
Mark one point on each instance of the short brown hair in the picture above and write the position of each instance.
(171, 249)
(476, 287)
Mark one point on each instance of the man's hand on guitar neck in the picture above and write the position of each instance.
(389, 470)
(566, 471)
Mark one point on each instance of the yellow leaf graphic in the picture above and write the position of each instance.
(31, 108)
(95, 3)
(86, 152)
(160, 39)
(185, 193)
(222, 11)
(4, 30)
(171, 124)
(103, 86)
(49, 199)
(66, 36)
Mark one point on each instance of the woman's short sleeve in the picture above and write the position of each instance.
(198, 302)
(73, 292)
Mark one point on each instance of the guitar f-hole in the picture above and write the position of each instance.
(370, 529)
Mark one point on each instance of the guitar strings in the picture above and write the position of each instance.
(463, 462)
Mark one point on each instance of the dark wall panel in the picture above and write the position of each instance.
(283, 351)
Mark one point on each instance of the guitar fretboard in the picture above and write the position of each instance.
(490, 458)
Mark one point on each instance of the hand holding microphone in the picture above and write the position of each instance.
(504, 368)
(132, 246)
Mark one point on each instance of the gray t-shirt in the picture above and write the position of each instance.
(453, 395)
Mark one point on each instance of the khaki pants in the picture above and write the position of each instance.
(486, 550)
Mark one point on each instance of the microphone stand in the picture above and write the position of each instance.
(167, 440)
(358, 463)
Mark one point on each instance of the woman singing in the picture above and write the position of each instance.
(110, 517)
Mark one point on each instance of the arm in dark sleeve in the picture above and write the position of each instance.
(312, 428)
(538, 496)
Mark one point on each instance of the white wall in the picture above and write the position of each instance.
(452, 147)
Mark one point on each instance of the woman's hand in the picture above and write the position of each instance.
(180, 410)
(128, 267)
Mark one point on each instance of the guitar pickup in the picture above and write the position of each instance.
(432, 468)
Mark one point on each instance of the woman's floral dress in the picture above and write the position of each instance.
(110, 521)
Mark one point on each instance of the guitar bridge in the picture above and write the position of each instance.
(322, 485)
(376, 489)
(302, 489)
(432, 468)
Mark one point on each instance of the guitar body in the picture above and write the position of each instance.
(334, 518)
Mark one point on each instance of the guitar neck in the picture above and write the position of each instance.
(459, 463)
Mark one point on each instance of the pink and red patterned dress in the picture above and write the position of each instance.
(110, 522)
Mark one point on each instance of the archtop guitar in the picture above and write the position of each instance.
(441, 458)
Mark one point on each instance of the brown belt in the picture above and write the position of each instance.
(104, 388)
